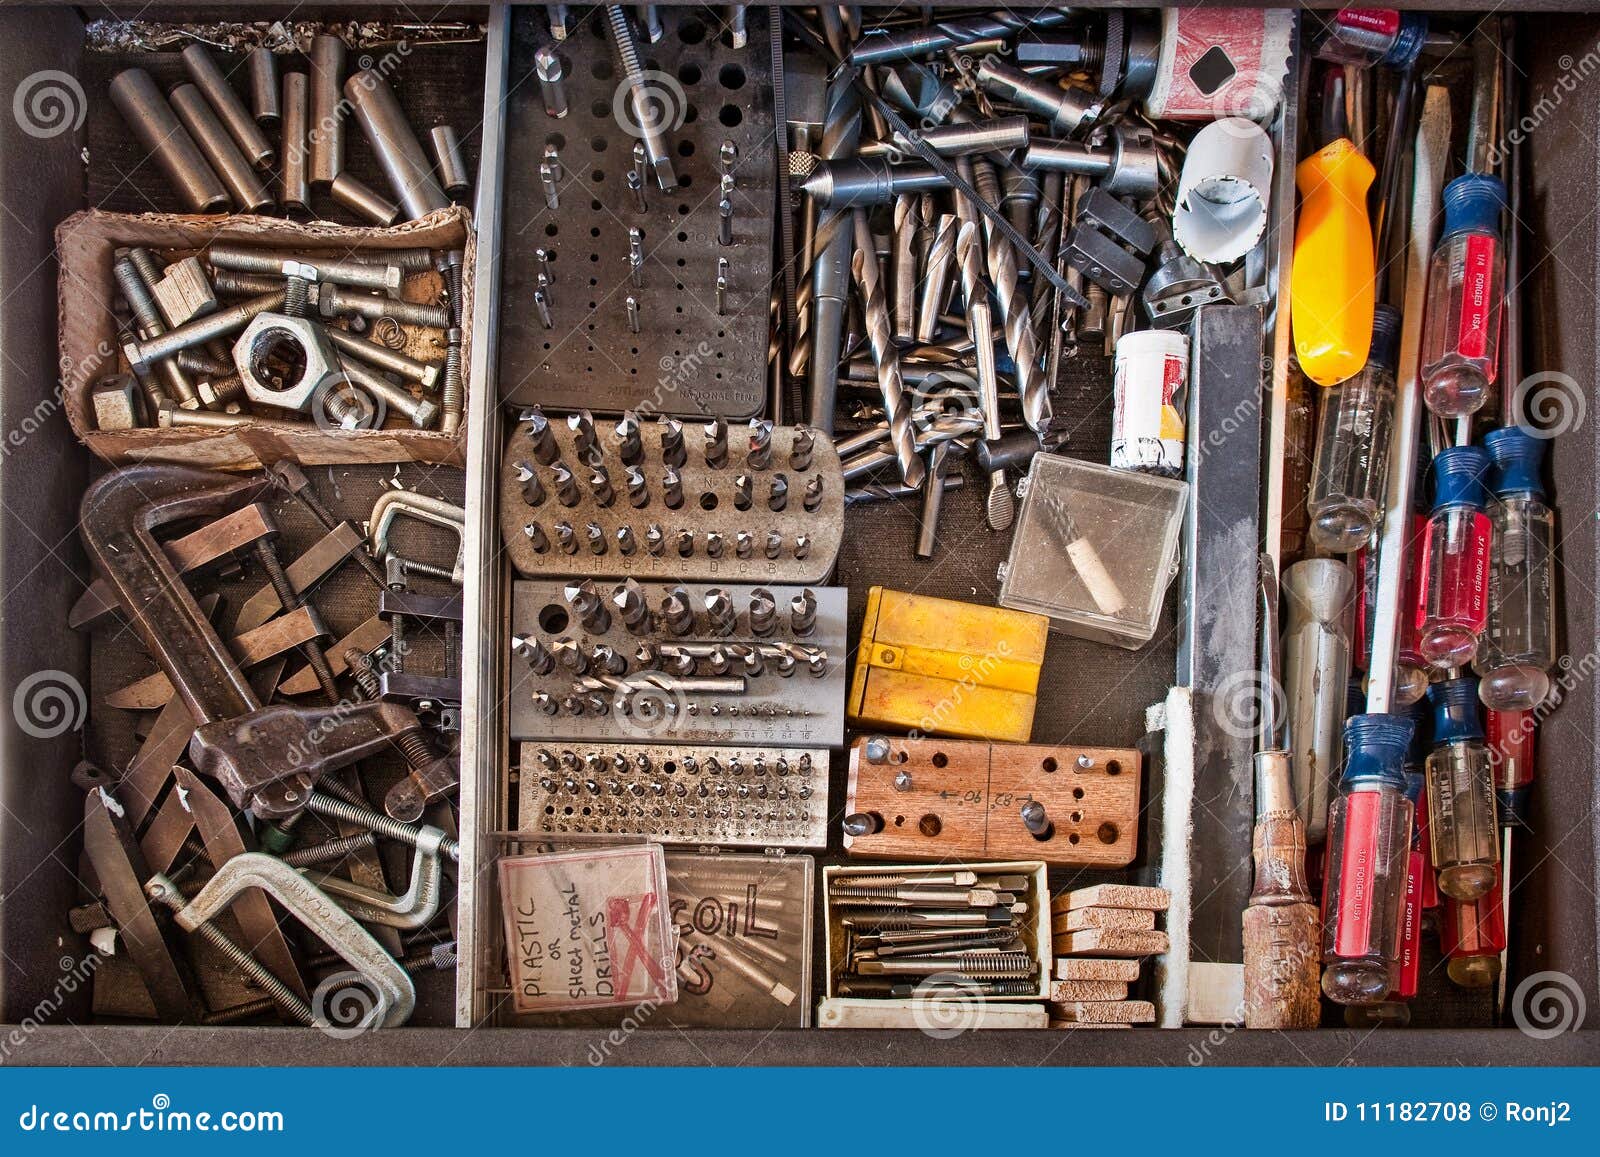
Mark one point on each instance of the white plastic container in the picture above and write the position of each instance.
(1151, 380)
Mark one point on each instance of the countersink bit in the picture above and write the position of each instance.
(673, 451)
(631, 304)
(716, 438)
(596, 535)
(625, 540)
(545, 704)
(570, 655)
(647, 658)
(600, 487)
(638, 488)
(540, 661)
(654, 539)
(685, 543)
(547, 180)
(778, 493)
(744, 544)
(682, 663)
(933, 290)
(759, 456)
(630, 446)
(741, 492)
(720, 612)
(903, 304)
(803, 613)
(545, 449)
(713, 544)
(647, 116)
(783, 663)
(628, 598)
(677, 615)
(672, 488)
(830, 267)
(774, 544)
(802, 546)
(1015, 315)
(885, 354)
(609, 660)
(999, 507)
(532, 489)
(636, 187)
(813, 495)
(537, 540)
(717, 661)
(566, 539)
(763, 612)
(566, 485)
(801, 448)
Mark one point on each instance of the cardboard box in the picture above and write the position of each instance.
(89, 350)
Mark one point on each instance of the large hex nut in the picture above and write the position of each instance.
(117, 403)
(285, 361)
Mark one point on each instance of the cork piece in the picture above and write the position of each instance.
(1113, 896)
(1086, 969)
(1120, 919)
(1062, 991)
(1104, 942)
(1104, 1011)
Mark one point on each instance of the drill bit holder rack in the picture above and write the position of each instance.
(685, 355)
(691, 668)
(758, 797)
(611, 499)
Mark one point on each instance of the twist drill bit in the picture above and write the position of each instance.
(1015, 315)
(570, 655)
(685, 543)
(600, 487)
(783, 662)
(813, 495)
(566, 485)
(596, 535)
(625, 540)
(934, 288)
(801, 448)
(744, 544)
(636, 187)
(713, 544)
(541, 306)
(717, 661)
(759, 456)
(902, 307)
(537, 540)
(830, 268)
(547, 179)
(676, 613)
(778, 493)
(636, 258)
(672, 488)
(763, 612)
(803, 613)
(720, 612)
(716, 438)
(532, 489)
(566, 539)
(584, 599)
(741, 492)
(631, 305)
(979, 321)
(630, 446)
(774, 544)
(540, 661)
(628, 598)
(683, 663)
(654, 539)
(583, 437)
(722, 286)
(646, 114)
(802, 546)
(609, 660)
(673, 451)
(638, 488)
(885, 355)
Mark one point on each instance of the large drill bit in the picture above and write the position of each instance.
(976, 291)
(885, 354)
(931, 293)
(830, 270)
(1015, 315)
(903, 307)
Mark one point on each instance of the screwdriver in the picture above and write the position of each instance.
(1467, 278)
(1349, 475)
(1280, 920)
(1461, 804)
(1518, 645)
(1454, 605)
(1320, 595)
(1510, 735)
(1331, 302)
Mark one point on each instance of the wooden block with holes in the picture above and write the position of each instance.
(938, 799)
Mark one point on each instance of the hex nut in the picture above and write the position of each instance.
(305, 347)
(117, 403)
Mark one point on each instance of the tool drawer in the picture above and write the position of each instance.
(592, 289)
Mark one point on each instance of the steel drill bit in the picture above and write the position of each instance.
(631, 305)
(628, 598)
(537, 540)
(778, 493)
(813, 495)
(532, 489)
(933, 289)
(570, 655)
(763, 612)
(774, 544)
(545, 448)
(902, 306)
(801, 447)
(759, 456)
(1015, 315)
(716, 435)
(565, 538)
(625, 540)
(638, 488)
(744, 544)
(636, 186)
(885, 355)
(713, 544)
(600, 487)
(566, 485)
(582, 426)
(646, 658)
(630, 447)
(672, 488)
(803, 613)
(654, 539)
(685, 543)
(545, 703)
(719, 611)
(830, 269)
(596, 535)
(741, 492)
(673, 451)
(677, 614)
(541, 306)
(999, 507)
(539, 659)
(802, 546)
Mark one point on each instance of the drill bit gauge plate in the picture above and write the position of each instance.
(678, 663)
(751, 503)
(756, 797)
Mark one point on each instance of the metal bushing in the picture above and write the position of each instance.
(285, 361)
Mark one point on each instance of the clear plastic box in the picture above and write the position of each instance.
(1094, 549)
